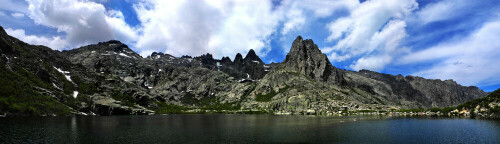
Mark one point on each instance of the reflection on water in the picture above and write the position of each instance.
(247, 129)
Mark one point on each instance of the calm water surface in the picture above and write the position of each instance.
(246, 129)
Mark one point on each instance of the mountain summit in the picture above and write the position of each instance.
(109, 78)
(252, 57)
(306, 58)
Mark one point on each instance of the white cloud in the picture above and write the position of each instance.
(372, 32)
(472, 60)
(336, 57)
(17, 15)
(339, 27)
(372, 62)
(52, 42)
(322, 8)
(84, 22)
(295, 21)
(386, 43)
(296, 13)
(121, 30)
(441, 10)
(222, 28)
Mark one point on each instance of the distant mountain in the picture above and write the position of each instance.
(109, 78)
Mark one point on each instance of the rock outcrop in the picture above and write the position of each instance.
(251, 67)
(411, 91)
(109, 78)
(306, 58)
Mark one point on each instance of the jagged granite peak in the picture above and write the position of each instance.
(109, 79)
(226, 61)
(306, 58)
(158, 55)
(207, 60)
(238, 59)
(186, 56)
(155, 54)
(252, 57)
(3, 33)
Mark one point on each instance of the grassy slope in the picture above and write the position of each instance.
(18, 97)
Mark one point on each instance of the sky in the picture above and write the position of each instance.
(435, 39)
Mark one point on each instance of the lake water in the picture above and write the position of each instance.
(219, 128)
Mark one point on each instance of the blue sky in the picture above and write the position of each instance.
(437, 39)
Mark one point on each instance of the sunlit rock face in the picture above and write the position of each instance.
(306, 58)
(109, 78)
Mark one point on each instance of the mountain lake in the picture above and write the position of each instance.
(258, 128)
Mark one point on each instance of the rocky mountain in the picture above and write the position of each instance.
(306, 58)
(109, 78)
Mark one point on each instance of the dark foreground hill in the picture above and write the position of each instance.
(109, 78)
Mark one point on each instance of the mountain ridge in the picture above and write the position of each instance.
(109, 78)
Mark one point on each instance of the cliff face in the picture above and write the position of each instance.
(306, 58)
(411, 91)
(109, 78)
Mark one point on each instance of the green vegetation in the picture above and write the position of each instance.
(301, 75)
(483, 102)
(127, 100)
(221, 106)
(170, 109)
(247, 93)
(366, 111)
(209, 103)
(83, 87)
(267, 97)
(411, 110)
(18, 97)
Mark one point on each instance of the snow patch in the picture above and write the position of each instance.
(218, 66)
(150, 87)
(124, 55)
(53, 84)
(93, 52)
(256, 61)
(248, 76)
(65, 73)
(75, 94)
